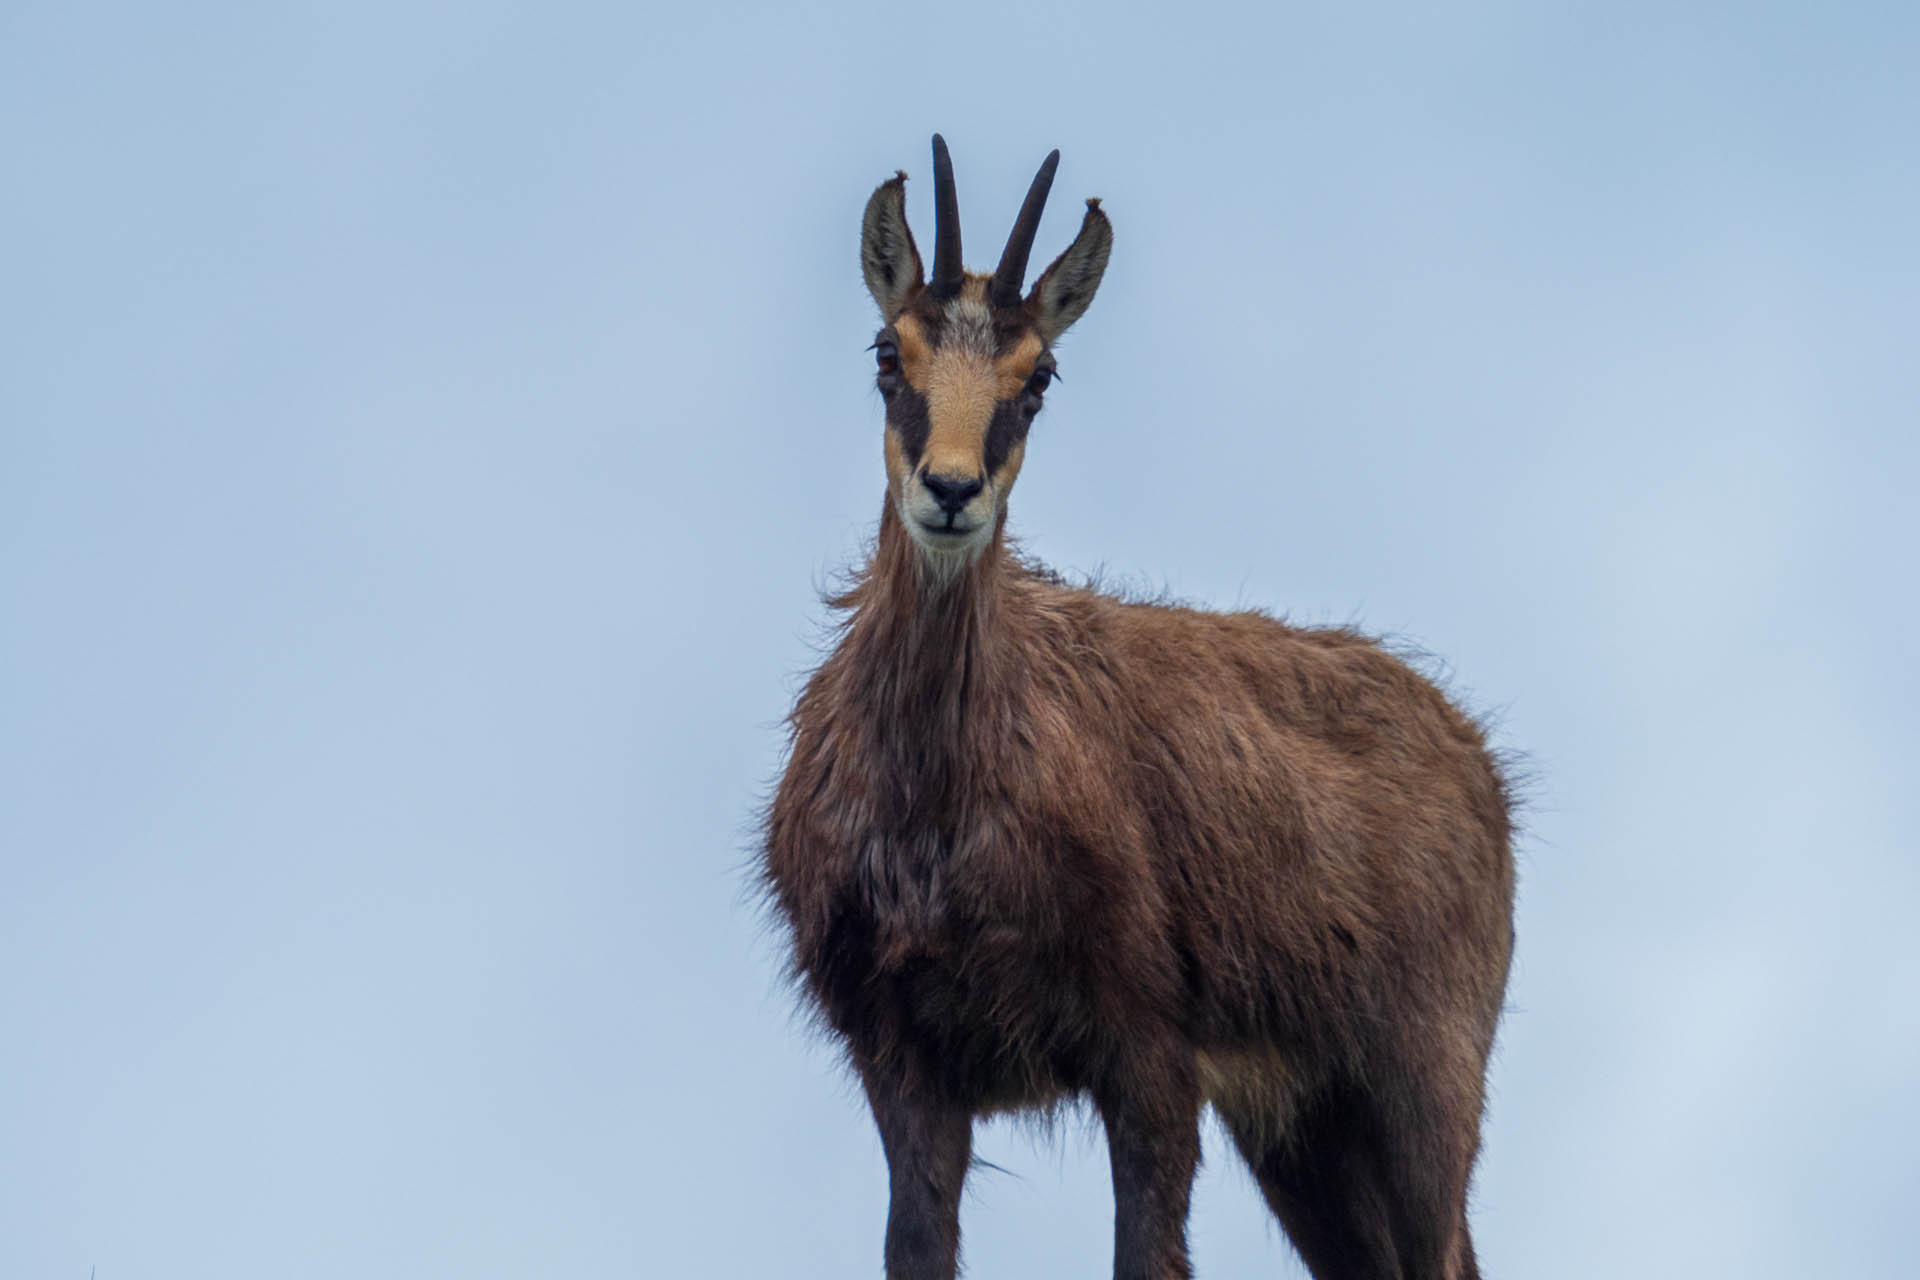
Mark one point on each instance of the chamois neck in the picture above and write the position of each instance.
(923, 609)
(923, 667)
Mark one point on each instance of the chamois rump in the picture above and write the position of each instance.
(1037, 843)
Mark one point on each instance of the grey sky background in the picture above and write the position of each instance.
(424, 432)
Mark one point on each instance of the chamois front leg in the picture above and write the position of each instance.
(1151, 1108)
(928, 1142)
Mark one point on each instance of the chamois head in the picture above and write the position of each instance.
(964, 359)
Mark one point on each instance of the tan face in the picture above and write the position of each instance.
(962, 382)
(964, 358)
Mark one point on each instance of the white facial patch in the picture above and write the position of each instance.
(969, 325)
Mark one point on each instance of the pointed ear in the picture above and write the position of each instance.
(887, 255)
(1061, 294)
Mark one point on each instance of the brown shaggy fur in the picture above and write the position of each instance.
(1034, 842)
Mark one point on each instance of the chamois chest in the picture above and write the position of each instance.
(963, 942)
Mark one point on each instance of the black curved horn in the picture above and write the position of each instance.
(948, 273)
(1012, 272)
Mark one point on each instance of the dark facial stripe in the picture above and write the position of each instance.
(907, 415)
(1008, 428)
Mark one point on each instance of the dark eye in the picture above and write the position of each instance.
(1037, 385)
(887, 356)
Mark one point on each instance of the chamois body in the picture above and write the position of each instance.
(1035, 842)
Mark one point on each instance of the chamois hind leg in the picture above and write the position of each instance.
(1361, 1196)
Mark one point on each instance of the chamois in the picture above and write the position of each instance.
(1037, 843)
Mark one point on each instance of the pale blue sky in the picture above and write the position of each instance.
(423, 432)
